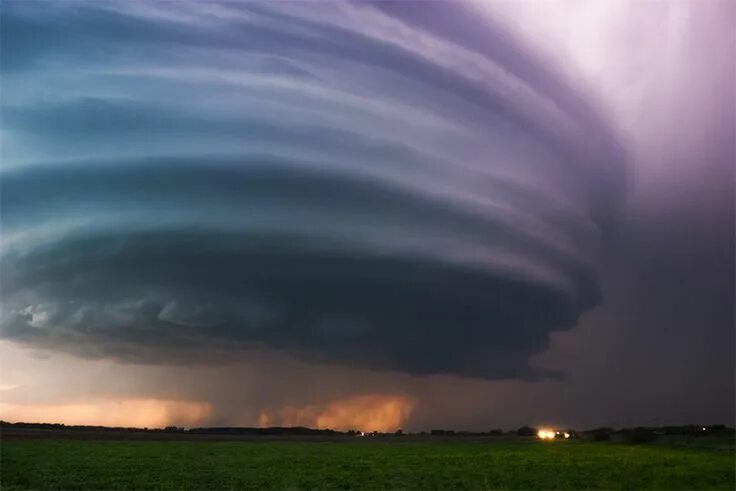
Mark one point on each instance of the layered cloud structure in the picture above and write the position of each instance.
(394, 186)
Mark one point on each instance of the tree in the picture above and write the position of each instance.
(526, 431)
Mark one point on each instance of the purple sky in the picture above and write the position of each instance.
(386, 216)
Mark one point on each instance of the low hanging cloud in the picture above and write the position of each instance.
(346, 183)
(373, 412)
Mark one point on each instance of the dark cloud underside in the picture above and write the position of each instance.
(349, 184)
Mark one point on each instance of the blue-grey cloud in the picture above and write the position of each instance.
(345, 182)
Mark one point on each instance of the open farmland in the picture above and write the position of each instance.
(29, 463)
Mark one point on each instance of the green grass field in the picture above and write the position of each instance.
(98, 464)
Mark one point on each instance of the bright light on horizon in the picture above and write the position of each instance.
(545, 434)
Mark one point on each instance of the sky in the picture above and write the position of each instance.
(368, 215)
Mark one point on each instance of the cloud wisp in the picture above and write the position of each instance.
(351, 184)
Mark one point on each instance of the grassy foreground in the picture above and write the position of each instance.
(74, 464)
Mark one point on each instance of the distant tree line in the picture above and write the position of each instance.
(639, 434)
(274, 430)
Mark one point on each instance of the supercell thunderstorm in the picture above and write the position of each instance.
(348, 183)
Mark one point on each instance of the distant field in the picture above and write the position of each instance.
(100, 464)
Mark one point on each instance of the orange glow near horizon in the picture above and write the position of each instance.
(152, 413)
(374, 412)
(367, 413)
(264, 420)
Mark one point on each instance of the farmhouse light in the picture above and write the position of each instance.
(545, 434)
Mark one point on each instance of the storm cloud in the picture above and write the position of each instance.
(345, 183)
